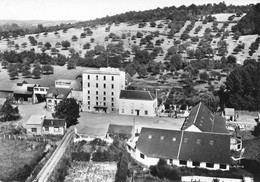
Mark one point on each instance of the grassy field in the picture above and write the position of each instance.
(14, 154)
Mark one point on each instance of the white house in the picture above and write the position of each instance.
(34, 125)
(136, 102)
(229, 114)
(181, 148)
(54, 126)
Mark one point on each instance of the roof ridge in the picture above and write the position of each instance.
(179, 150)
(197, 113)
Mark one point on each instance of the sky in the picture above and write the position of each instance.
(89, 9)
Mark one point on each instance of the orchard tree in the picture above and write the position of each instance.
(36, 72)
(47, 45)
(68, 109)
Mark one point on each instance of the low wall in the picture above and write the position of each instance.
(209, 179)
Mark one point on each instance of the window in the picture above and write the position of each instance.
(123, 110)
(97, 103)
(210, 165)
(132, 111)
(34, 130)
(104, 103)
(88, 108)
(149, 136)
(174, 139)
(42, 89)
(104, 77)
(170, 161)
(162, 137)
(185, 140)
(112, 99)
(211, 142)
(36, 89)
(104, 93)
(88, 77)
(88, 102)
(46, 128)
(195, 163)
(183, 162)
(56, 128)
(88, 97)
(88, 91)
(50, 101)
(198, 141)
(96, 85)
(145, 112)
(96, 98)
(88, 84)
(112, 109)
(142, 155)
(112, 93)
(96, 77)
(223, 166)
(112, 104)
(104, 85)
(96, 92)
(112, 86)
(104, 98)
(112, 78)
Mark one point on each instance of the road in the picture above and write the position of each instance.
(48, 168)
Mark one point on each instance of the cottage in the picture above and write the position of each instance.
(182, 148)
(34, 125)
(136, 102)
(54, 126)
(55, 95)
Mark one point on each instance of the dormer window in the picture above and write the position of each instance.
(198, 141)
(185, 140)
(162, 137)
(211, 142)
(174, 139)
(149, 136)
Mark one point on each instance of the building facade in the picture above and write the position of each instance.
(34, 125)
(138, 103)
(54, 127)
(101, 89)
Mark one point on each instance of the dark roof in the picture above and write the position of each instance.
(136, 95)
(185, 145)
(54, 123)
(205, 147)
(151, 144)
(205, 120)
(6, 86)
(120, 129)
(59, 93)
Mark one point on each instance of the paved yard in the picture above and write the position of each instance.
(97, 124)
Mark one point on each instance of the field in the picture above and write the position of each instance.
(92, 172)
(14, 155)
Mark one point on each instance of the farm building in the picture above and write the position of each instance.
(34, 124)
(54, 126)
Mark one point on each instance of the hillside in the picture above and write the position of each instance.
(99, 35)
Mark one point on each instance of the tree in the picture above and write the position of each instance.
(204, 76)
(26, 73)
(256, 131)
(47, 45)
(71, 63)
(65, 44)
(74, 38)
(87, 45)
(4, 64)
(67, 109)
(13, 74)
(36, 72)
(8, 112)
(176, 61)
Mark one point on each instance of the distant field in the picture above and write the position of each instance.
(14, 154)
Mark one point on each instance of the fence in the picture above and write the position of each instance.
(22, 137)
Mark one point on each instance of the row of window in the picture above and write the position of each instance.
(104, 104)
(104, 85)
(41, 89)
(104, 98)
(104, 77)
(104, 93)
(197, 164)
(34, 130)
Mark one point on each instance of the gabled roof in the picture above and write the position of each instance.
(120, 129)
(185, 145)
(59, 93)
(54, 123)
(205, 147)
(136, 95)
(201, 117)
(35, 120)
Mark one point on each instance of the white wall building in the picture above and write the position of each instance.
(101, 89)
(138, 103)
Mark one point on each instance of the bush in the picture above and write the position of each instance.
(122, 169)
(80, 156)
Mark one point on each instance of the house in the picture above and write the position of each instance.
(181, 148)
(127, 130)
(55, 95)
(34, 125)
(138, 103)
(54, 126)
(23, 92)
(229, 114)
(201, 119)
(101, 89)
(39, 94)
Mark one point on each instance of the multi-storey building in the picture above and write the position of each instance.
(101, 89)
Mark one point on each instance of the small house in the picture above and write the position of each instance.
(34, 125)
(229, 114)
(54, 127)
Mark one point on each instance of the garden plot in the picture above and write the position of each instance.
(92, 172)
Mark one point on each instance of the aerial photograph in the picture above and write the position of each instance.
(129, 91)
